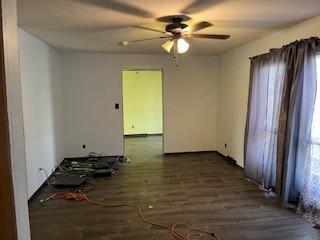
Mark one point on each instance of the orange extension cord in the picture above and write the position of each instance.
(194, 235)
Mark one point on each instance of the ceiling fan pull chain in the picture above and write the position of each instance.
(177, 60)
(175, 53)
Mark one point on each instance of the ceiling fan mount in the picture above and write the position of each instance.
(174, 18)
(176, 23)
(175, 28)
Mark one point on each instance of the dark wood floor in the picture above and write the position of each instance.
(200, 188)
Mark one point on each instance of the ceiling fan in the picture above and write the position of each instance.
(176, 32)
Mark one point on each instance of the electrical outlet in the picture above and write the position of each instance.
(225, 145)
(84, 146)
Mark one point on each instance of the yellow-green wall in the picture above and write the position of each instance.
(142, 102)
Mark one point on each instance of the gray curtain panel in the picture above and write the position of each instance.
(266, 84)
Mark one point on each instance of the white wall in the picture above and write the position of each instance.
(42, 102)
(234, 66)
(92, 85)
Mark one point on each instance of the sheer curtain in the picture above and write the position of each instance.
(310, 195)
(266, 84)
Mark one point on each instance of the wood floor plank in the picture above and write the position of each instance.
(200, 188)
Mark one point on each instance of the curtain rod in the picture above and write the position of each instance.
(271, 50)
(294, 42)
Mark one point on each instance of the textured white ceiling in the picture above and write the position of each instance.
(99, 25)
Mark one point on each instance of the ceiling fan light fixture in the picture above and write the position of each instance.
(167, 46)
(182, 45)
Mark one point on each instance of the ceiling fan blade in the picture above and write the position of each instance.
(210, 36)
(199, 6)
(119, 7)
(150, 29)
(245, 24)
(126, 43)
(199, 26)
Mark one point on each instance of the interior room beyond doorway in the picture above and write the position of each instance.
(142, 103)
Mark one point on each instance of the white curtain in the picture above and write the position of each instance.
(310, 195)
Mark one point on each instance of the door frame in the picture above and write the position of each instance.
(163, 100)
(8, 228)
(14, 118)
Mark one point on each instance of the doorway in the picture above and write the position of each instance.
(142, 111)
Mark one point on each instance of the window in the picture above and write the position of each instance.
(316, 115)
(313, 178)
(315, 133)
